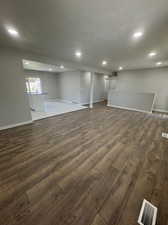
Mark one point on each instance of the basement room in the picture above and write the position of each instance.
(84, 112)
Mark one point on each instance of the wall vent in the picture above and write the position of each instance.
(114, 73)
(147, 214)
(165, 135)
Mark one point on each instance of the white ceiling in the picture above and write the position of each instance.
(102, 30)
(38, 66)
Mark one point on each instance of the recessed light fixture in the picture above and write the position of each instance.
(50, 69)
(61, 67)
(151, 54)
(159, 63)
(104, 63)
(120, 68)
(13, 32)
(78, 54)
(138, 34)
(26, 63)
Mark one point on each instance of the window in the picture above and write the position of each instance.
(33, 85)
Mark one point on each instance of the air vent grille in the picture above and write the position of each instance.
(165, 135)
(147, 214)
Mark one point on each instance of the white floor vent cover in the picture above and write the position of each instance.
(165, 135)
(147, 214)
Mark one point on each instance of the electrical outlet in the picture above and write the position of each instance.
(165, 135)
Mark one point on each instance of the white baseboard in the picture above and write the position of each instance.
(16, 125)
(73, 102)
(160, 110)
(87, 103)
(132, 109)
(58, 100)
(101, 100)
(61, 100)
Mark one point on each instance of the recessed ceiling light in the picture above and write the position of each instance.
(26, 63)
(78, 54)
(159, 63)
(50, 69)
(61, 67)
(138, 34)
(120, 68)
(104, 63)
(13, 32)
(151, 54)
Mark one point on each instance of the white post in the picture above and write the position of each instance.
(91, 89)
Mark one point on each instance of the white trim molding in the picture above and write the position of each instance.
(87, 103)
(132, 109)
(16, 125)
(160, 110)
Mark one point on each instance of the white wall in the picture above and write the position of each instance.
(147, 80)
(49, 82)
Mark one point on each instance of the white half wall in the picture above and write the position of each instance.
(148, 81)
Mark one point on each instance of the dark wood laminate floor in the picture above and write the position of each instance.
(90, 167)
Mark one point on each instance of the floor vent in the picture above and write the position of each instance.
(165, 135)
(147, 214)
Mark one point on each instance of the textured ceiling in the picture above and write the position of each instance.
(100, 29)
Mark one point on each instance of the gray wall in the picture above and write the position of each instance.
(75, 86)
(147, 80)
(85, 79)
(49, 82)
(99, 93)
(69, 86)
(14, 106)
(99, 90)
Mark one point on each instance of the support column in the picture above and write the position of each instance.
(91, 89)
